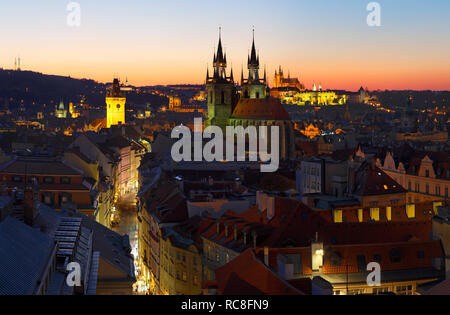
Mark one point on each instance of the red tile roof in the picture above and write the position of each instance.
(371, 180)
(263, 108)
(441, 289)
(247, 275)
(167, 204)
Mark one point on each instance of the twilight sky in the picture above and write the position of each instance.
(172, 41)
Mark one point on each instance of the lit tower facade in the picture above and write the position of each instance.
(254, 86)
(61, 111)
(221, 91)
(115, 105)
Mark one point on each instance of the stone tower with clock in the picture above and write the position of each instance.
(115, 105)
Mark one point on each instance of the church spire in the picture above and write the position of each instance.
(220, 60)
(254, 59)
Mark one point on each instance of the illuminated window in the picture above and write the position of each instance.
(337, 216)
(405, 290)
(360, 215)
(389, 213)
(436, 205)
(411, 211)
(375, 214)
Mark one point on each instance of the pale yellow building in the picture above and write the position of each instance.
(180, 264)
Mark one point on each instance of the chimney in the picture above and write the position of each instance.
(261, 200)
(266, 256)
(31, 199)
(254, 235)
(317, 254)
(373, 164)
(270, 208)
(258, 199)
(226, 229)
(351, 179)
(264, 198)
(238, 184)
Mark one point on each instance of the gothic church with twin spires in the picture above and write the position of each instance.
(252, 106)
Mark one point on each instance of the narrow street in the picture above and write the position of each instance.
(128, 220)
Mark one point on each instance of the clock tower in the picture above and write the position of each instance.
(115, 105)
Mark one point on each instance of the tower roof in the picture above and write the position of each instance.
(219, 56)
(114, 90)
(253, 59)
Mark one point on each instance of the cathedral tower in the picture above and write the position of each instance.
(221, 91)
(254, 87)
(115, 105)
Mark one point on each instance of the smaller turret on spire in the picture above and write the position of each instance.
(265, 75)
